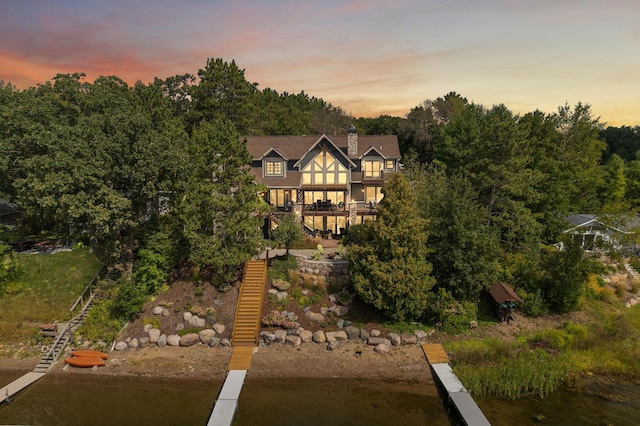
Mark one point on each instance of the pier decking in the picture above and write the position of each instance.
(458, 396)
(244, 338)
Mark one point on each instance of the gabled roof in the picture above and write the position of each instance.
(325, 138)
(579, 220)
(295, 147)
(584, 220)
(503, 293)
(373, 148)
(273, 150)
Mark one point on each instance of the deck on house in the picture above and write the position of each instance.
(244, 338)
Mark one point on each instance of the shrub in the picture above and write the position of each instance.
(154, 322)
(607, 295)
(128, 300)
(620, 288)
(150, 271)
(534, 304)
(186, 331)
(197, 310)
(277, 319)
(280, 284)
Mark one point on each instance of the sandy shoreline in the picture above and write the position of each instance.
(401, 364)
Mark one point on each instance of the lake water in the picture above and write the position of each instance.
(73, 399)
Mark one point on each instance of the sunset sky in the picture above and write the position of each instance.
(370, 57)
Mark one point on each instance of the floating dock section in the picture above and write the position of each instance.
(458, 397)
(227, 402)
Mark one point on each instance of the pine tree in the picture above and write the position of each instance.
(388, 265)
(221, 208)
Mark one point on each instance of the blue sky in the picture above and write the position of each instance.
(369, 57)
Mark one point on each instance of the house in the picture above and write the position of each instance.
(329, 182)
(593, 232)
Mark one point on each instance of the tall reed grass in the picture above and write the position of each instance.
(539, 363)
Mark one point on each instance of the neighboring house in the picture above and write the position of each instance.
(9, 213)
(595, 233)
(329, 182)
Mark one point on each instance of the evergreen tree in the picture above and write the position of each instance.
(221, 208)
(388, 265)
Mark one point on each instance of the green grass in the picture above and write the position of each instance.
(43, 292)
(540, 362)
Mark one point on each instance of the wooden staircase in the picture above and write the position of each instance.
(63, 338)
(247, 319)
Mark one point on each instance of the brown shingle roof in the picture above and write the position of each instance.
(294, 147)
(503, 293)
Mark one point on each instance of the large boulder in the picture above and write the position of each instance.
(154, 335)
(408, 339)
(206, 335)
(134, 343)
(189, 339)
(306, 336)
(339, 335)
(293, 340)
(173, 340)
(381, 349)
(374, 341)
(364, 334)
(421, 335)
(394, 339)
(353, 332)
(319, 336)
(332, 346)
(340, 310)
(121, 346)
(281, 336)
(314, 316)
(196, 321)
(162, 341)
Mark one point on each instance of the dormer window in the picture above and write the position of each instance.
(388, 165)
(273, 168)
(372, 169)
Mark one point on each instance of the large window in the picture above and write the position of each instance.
(324, 170)
(282, 197)
(273, 168)
(373, 193)
(372, 169)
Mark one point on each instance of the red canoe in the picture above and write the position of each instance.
(84, 361)
(90, 354)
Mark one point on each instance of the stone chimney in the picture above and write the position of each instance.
(352, 141)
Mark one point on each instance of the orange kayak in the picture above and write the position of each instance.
(89, 353)
(85, 361)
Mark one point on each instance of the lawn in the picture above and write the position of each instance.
(45, 290)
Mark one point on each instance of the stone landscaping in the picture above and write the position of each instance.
(291, 333)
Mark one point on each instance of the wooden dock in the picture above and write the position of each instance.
(63, 338)
(19, 384)
(244, 338)
(458, 397)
